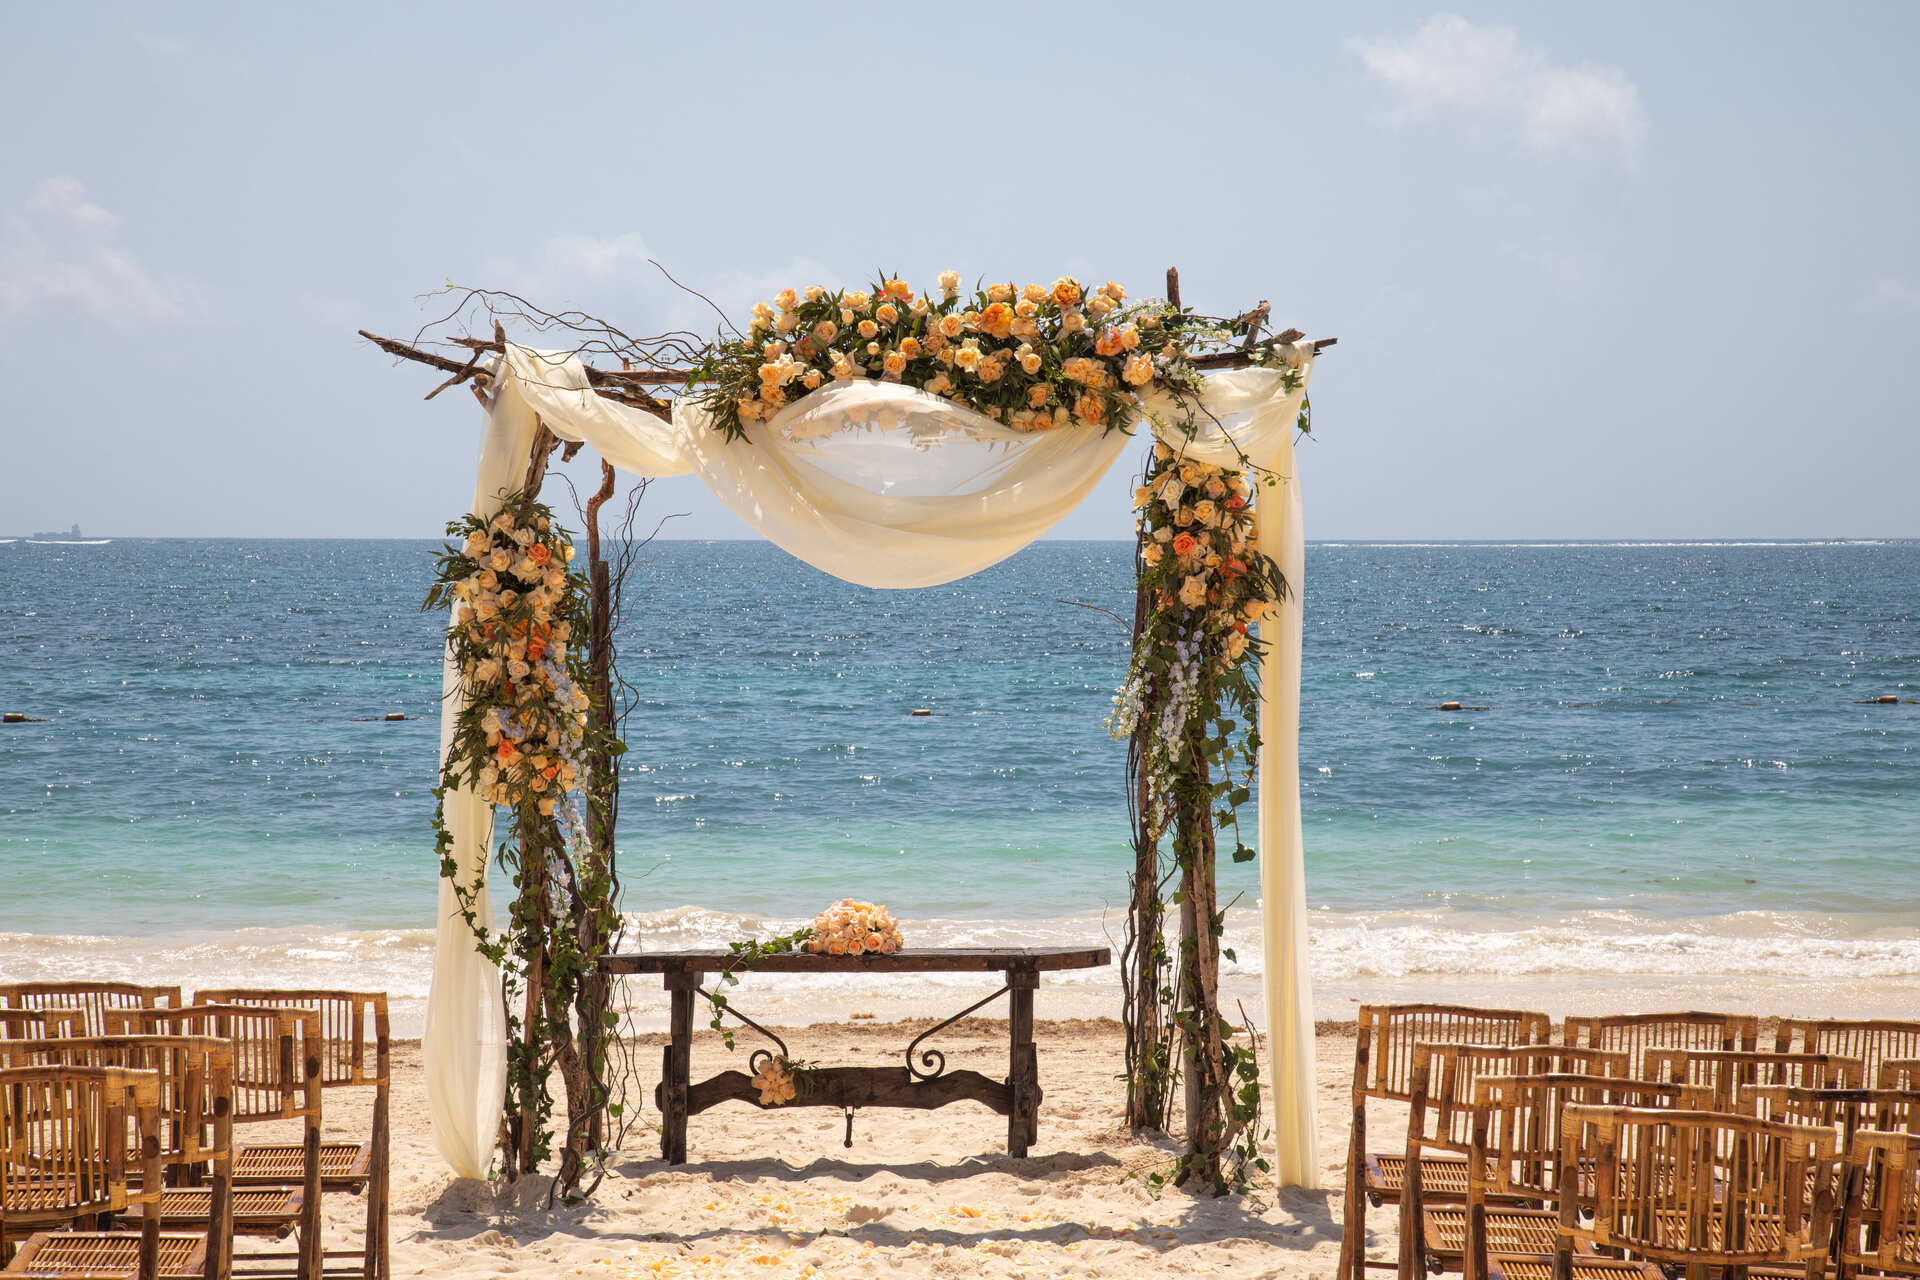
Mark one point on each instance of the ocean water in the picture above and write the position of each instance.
(1666, 773)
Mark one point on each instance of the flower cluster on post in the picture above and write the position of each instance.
(1032, 357)
(1206, 584)
(518, 739)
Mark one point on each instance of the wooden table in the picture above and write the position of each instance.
(923, 1082)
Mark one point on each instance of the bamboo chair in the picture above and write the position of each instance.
(1880, 1228)
(1724, 1073)
(196, 1114)
(1873, 1041)
(276, 1078)
(1899, 1073)
(1512, 1167)
(65, 1162)
(1702, 1191)
(94, 999)
(1635, 1033)
(1435, 1167)
(1383, 1072)
(356, 1053)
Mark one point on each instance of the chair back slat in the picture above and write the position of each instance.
(1384, 1050)
(94, 999)
(275, 1063)
(1723, 1073)
(1635, 1033)
(1700, 1188)
(355, 1038)
(195, 1075)
(1872, 1040)
(1516, 1120)
(1445, 1076)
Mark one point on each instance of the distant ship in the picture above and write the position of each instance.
(72, 535)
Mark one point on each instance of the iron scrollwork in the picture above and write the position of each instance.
(759, 1057)
(933, 1059)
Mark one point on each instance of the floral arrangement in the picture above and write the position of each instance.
(1206, 584)
(849, 928)
(1033, 357)
(518, 739)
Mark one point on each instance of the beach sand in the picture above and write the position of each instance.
(774, 1194)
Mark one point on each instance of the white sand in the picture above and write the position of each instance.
(921, 1193)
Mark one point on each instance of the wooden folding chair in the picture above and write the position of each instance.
(1511, 1163)
(1635, 1033)
(1702, 1191)
(94, 999)
(276, 1077)
(356, 1053)
(65, 1161)
(196, 1115)
(1723, 1073)
(1439, 1120)
(1872, 1040)
(1383, 1071)
(1880, 1226)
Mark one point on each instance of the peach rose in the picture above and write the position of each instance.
(1066, 291)
(997, 320)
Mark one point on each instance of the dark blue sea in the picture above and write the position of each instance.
(1668, 760)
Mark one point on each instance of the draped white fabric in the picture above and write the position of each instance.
(465, 1041)
(886, 486)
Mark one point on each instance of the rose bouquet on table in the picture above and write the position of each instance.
(849, 928)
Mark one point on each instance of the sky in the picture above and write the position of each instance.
(1597, 271)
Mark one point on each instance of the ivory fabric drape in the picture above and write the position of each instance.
(887, 486)
(464, 1045)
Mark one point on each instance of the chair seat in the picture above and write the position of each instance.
(1443, 1176)
(344, 1166)
(257, 1210)
(50, 1199)
(1762, 1231)
(105, 1255)
(1586, 1266)
(1509, 1230)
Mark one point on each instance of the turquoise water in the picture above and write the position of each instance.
(1672, 738)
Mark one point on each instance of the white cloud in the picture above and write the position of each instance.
(1889, 293)
(1486, 79)
(59, 248)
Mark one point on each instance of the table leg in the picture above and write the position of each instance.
(1022, 1075)
(678, 1067)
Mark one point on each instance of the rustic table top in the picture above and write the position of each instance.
(906, 960)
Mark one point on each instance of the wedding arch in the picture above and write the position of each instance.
(898, 439)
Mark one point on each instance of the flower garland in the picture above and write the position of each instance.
(1193, 685)
(1033, 357)
(1206, 584)
(518, 740)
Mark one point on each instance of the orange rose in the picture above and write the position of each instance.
(899, 289)
(505, 750)
(1236, 502)
(1185, 544)
(539, 554)
(997, 320)
(1107, 344)
(1090, 408)
(1065, 291)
